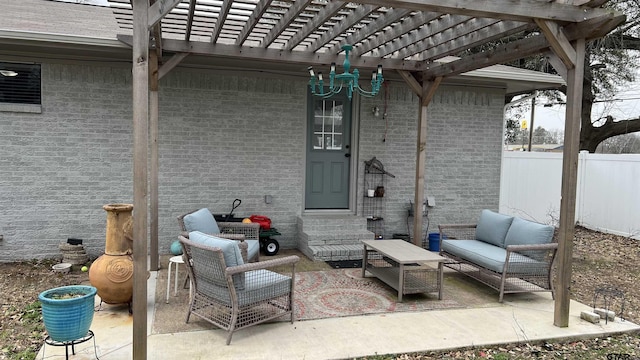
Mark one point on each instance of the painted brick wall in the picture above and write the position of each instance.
(222, 136)
(462, 170)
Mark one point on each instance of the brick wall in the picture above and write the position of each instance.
(222, 136)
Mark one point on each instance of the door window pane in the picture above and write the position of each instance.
(327, 125)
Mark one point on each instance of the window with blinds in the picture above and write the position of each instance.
(20, 83)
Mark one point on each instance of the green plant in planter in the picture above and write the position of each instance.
(67, 311)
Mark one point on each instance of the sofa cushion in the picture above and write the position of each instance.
(230, 252)
(492, 257)
(202, 221)
(525, 232)
(493, 227)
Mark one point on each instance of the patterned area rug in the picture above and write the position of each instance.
(343, 292)
(319, 294)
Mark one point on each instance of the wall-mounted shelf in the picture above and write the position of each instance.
(374, 192)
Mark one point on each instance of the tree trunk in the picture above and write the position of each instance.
(591, 136)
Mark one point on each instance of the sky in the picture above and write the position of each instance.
(626, 104)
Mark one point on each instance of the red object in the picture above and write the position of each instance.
(265, 222)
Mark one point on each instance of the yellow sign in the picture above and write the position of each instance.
(523, 124)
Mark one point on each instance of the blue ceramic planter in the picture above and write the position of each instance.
(68, 319)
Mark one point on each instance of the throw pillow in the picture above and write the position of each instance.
(492, 227)
(230, 251)
(202, 221)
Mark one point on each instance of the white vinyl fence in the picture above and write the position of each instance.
(608, 190)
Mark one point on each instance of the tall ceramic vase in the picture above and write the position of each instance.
(112, 273)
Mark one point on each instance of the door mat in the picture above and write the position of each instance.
(345, 264)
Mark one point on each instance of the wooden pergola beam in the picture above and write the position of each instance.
(190, 14)
(291, 57)
(558, 41)
(170, 64)
(519, 10)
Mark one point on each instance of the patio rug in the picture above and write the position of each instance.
(319, 294)
(343, 292)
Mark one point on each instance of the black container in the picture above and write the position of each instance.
(227, 218)
(72, 241)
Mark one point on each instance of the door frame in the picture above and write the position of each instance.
(353, 166)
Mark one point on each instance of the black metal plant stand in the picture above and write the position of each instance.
(609, 295)
(49, 341)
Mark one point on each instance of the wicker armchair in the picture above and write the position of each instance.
(230, 230)
(235, 297)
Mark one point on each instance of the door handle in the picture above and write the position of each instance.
(347, 155)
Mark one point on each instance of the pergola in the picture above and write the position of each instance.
(416, 38)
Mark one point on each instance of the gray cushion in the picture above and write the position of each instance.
(230, 251)
(492, 227)
(263, 284)
(202, 221)
(253, 248)
(524, 232)
(492, 257)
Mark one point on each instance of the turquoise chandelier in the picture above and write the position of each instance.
(345, 80)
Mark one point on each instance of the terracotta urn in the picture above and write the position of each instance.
(112, 273)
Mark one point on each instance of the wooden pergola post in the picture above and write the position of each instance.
(153, 162)
(575, 77)
(425, 92)
(140, 73)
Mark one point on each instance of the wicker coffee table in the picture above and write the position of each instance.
(405, 267)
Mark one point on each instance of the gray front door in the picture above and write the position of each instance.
(328, 153)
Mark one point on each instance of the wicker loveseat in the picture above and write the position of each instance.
(508, 253)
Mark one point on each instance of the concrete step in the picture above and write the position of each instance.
(332, 237)
(335, 252)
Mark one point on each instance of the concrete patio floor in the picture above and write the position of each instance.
(522, 317)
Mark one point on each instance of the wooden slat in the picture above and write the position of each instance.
(350, 20)
(559, 42)
(272, 55)
(293, 12)
(513, 51)
(448, 44)
(312, 25)
(159, 9)
(404, 27)
(259, 10)
(518, 10)
(140, 73)
(392, 16)
(192, 10)
(568, 190)
(222, 17)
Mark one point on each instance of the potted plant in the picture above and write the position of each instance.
(67, 311)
